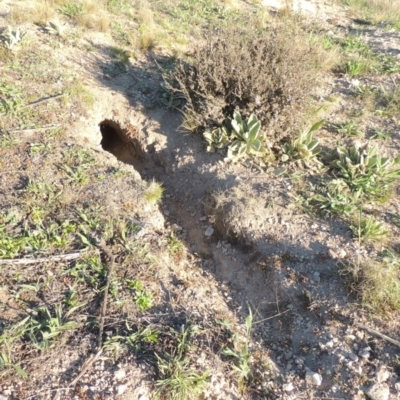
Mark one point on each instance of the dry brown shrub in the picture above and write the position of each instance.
(271, 73)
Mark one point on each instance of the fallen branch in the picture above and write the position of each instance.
(86, 366)
(381, 335)
(103, 309)
(37, 102)
(110, 264)
(33, 130)
(24, 261)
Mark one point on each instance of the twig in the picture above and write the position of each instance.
(37, 102)
(24, 261)
(33, 130)
(86, 366)
(102, 245)
(381, 335)
(274, 316)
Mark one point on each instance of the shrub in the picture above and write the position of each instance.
(270, 74)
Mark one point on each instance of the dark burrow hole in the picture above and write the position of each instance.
(123, 143)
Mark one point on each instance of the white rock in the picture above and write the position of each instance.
(378, 392)
(3, 397)
(120, 374)
(382, 374)
(313, 378)
(288, 387)
(397, 386)
(120, 389)
(209, 231)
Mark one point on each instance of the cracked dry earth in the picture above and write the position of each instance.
(246, 230)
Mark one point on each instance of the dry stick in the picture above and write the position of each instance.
(103, 310)
(33, 130)
(37, 102)
(374, 332)
(102, 246)
(24, 261)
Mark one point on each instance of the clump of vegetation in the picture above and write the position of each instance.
(243, 137)
(154, 193)
(376, 282)
(362, 169)
(269, 74)
(305, 147)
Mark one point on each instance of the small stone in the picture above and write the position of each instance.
(316, 276)
(397, 386)
(176, 228)
(209, 231)
(378, 392)
(3, 397)
(120, 374)
(120, 389)
(288, 387)
(313, 378)
(352, 357)
(382, 374)
(204, 218)
(143, 397)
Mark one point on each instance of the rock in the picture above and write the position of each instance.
(378, 392)
(120, 389)
(288, 387)
(397, 386)
(313, 378)
(120, 374)
(209, 231)
(204, 218)
(176, 228)
(352, 357)
(382, 374)
(3, 397)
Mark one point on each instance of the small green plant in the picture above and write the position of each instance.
(369, 230)
(241, 355)
(217, 139)
(153, 193)
(171, 99)
(350, 128)
(175, 246)
(45, 327)
(364, 170)
(143, 299)
(12, 37)
(335, 197)
(56, 28)
(304, 147)
(178, 381)
(381, 134)
(71, 9)
(246, 136)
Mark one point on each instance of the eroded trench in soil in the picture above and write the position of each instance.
(292, 310)
(244, 278)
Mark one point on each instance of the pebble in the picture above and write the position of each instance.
(352, 356)
(204, 218)
(209, 231)
(288, 387)
(313, 378)
(176, 228)
(121, 388)
(378, 392)
(3, 397)
(382, 374)
(120, 374)
(397, 386)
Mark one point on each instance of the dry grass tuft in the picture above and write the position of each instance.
(376, 11)
(376, 283)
